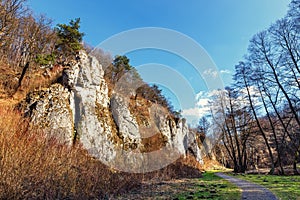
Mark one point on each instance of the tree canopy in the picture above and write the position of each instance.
(69, 37)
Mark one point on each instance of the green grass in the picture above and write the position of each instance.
(284, 187)
(213, 187)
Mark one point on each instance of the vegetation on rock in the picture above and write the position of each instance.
(69, 37)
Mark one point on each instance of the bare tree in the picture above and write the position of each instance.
(10, 12)
(243, 81)
(203, 125)
(35, 38)
(234, 123)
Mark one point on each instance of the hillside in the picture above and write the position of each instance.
(72, 130)
(70, 126)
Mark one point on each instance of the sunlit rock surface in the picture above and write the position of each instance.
(79, 110)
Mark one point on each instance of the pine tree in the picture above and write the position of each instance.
(69, 37)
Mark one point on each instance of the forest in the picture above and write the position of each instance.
(257, 117)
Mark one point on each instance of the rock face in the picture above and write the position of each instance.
(80, 108)
(88, 97)
(50, 111)
(179, 136)
(192, 147)
(126, 123)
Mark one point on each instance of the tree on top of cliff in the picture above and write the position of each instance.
(69, 37)
(121, 68)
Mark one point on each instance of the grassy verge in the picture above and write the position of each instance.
(213, 187)
(284, 187)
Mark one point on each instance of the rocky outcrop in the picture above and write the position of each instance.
(192, 147)
(50, 111)
(80, 108)
(88, 98)
(179, 136)
(127, 126)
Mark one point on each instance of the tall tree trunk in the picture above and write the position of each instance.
(273, 130)
(25, 68)
(282, 89)
(259, 126)
(295, 161)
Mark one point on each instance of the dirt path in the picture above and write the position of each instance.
(250, 190)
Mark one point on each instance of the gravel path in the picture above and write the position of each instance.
(250, 190)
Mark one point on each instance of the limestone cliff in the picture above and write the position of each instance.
(80, 109)
(50, 111)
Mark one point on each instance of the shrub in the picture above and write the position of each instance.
(45, 59)
(34, 166)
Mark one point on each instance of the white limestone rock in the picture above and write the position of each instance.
(81, 106)
(89, 95)
(49, 111)
(127, 126)
(179, 137)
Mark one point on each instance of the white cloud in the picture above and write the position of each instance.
(200, 109)
(226, 71)
(200, 94)
(252, 90)
(254, 93)
(211, 73)
(195, 112)
(214, 73)
(202, 102)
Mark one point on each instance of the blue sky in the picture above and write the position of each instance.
(222, 27)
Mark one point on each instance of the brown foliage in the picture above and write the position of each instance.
(154, 143)
(183, 167)
(35, 78)
(35, 166)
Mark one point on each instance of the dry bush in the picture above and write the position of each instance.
(190, 160)
(139, 108)
(33, 166)
(34, 78)
(184, 167)
(39, 78)
(211, 164)
(153, 143)
(187, 167)
(8, 80)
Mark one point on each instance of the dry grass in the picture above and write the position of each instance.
(183, 167)
(210, 164)
(33, 79)
(36, 167)
(33, 166)
(8, 80)
(139, 108)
